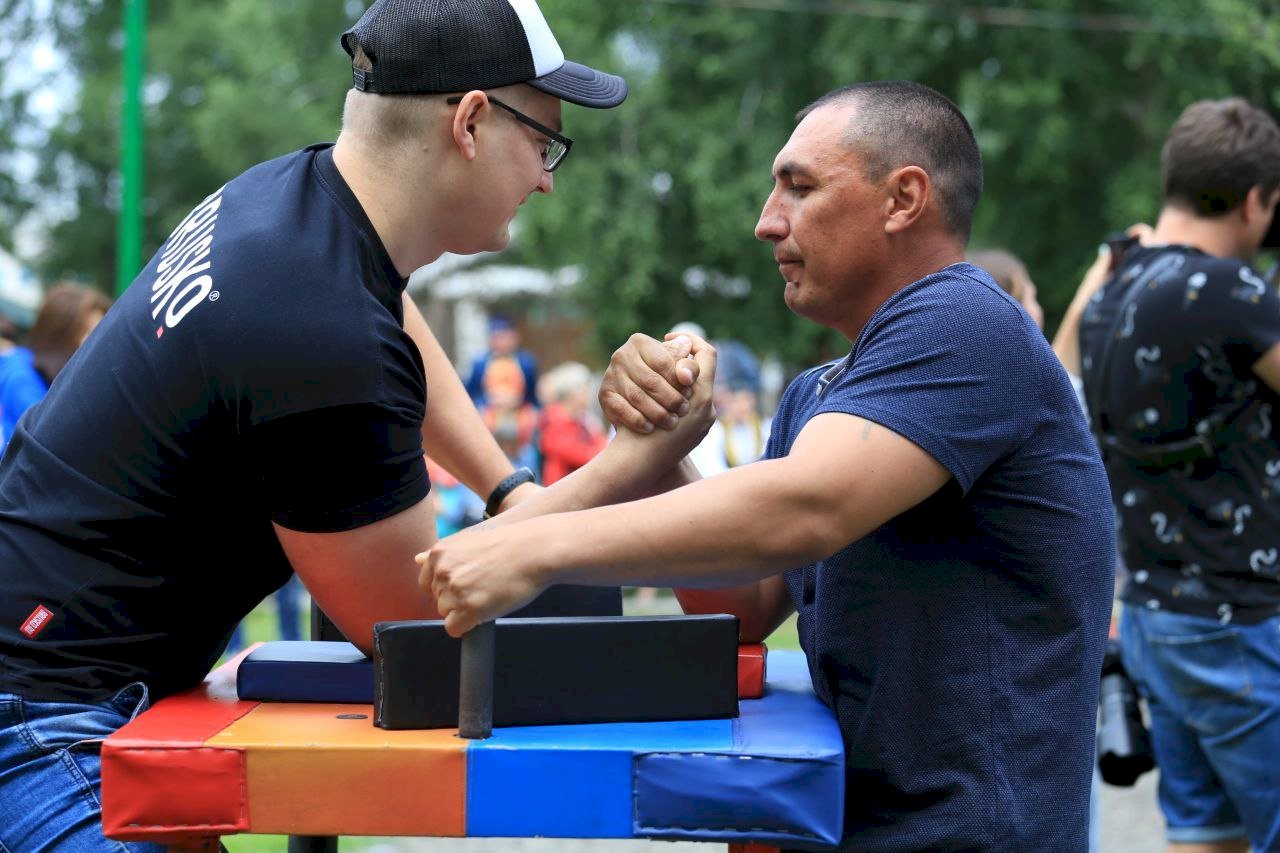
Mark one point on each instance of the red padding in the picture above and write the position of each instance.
(171, 735)
(139, 803)
(751, 670)
(185, 719)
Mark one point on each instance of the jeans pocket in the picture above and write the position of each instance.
(1208, 673)
(51, 726)
(132, 700)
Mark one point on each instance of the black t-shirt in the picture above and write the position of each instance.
(1200, 532)
(256, 371)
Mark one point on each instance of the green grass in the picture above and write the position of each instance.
(261, 625)
(785, 637)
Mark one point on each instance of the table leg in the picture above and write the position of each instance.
(322, 628)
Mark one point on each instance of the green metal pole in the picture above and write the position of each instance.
(132, 138)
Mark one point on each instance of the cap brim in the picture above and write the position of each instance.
(584, 86)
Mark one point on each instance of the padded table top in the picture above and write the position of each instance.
(203, 763)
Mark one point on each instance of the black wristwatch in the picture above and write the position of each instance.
(499, 494)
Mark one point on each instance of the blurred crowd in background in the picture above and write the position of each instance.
(549, 422)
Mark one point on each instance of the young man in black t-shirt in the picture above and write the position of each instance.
(1180, 352)
(257, 402)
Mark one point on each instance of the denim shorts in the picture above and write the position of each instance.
(1213, 695)
(50, 773)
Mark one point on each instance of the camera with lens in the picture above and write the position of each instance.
(1124, 746)
(1119, 243)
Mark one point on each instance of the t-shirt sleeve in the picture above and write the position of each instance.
(1246, 308)
(934, 366)
(341, 467)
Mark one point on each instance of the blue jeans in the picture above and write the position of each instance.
(51, 773)
(1213, 694)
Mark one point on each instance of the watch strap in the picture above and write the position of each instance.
(518, 477)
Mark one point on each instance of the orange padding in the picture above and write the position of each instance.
(138, 801)
(751, 670)
(304, 775)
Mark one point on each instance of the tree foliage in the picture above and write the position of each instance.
(229, 83)
(1070, 101)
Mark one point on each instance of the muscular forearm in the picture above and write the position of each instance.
(760, 606)
(843, 478)
(619, 473)
(682, 474)
(709, 534)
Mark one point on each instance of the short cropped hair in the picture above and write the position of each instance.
(1216, 152)
(385, 119)
(902, 123)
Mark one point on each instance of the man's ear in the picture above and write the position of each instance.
(1258, 203)
(467, 118)
(910, 193)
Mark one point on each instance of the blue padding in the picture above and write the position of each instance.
(570, 781)
(681, 735)
(782, 782)
(306, 671)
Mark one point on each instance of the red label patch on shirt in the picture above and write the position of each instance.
(36, 622)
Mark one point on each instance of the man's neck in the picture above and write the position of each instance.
(932, 256)
(1219, 236)
(401, 228)
(914, 259)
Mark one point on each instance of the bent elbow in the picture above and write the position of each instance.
(811, 537)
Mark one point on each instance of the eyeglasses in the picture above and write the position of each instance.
(557, 145)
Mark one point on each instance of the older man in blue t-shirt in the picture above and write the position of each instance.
(932, 505)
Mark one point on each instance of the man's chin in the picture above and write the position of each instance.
(791, 295)
(500, 241)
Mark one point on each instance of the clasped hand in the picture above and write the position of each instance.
(485, 572)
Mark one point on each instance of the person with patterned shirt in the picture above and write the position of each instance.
(1180, 355)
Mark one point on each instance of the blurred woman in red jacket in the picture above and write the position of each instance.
(569, 433)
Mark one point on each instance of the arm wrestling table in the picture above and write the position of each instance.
(202, 764)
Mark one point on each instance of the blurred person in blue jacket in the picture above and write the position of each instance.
(67, 316)
(504, 346)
